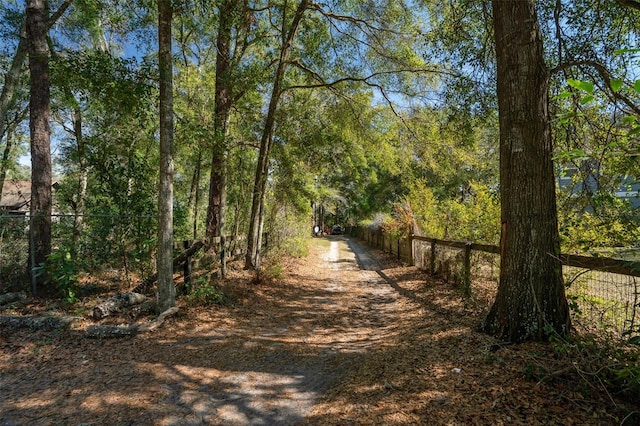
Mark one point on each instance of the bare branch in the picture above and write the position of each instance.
(365, 79)
(360, 23)
(58, 13)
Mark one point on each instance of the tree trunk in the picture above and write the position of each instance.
(41, 197)
(4, 161)
(216, 214)
(183, 257)
(11, 81)
(531, 303)
(117, 303)
(12, 77)
(115, 331)
(252, 258)
(166, 287)
(194, 193)
(9, 322)
(12, 297)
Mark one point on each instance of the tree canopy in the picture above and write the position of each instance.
(293, 112)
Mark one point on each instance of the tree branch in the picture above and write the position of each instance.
(360, 23)
(605, 76)
(58, 13)
(633, 4)
(366, 79)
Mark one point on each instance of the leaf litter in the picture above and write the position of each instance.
(347, 336)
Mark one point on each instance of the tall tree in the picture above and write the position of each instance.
(216, 213)
(254, 238)
(166, 288)
(86, 18)
(531, 303)
(76, 130)
(41, 193)
(11, 86)
(11, 81)
(12, 76)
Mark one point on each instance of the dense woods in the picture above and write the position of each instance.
(173, 120)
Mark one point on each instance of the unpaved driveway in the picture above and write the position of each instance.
(344, 336)
(347, 311)
(263, 362)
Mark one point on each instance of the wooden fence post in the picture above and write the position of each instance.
(467, 269)
(398, 248)
(186, 268)
(411, 260)
(432, 266)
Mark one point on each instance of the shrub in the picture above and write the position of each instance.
(476, 217)
(200, 292)
(60, 271)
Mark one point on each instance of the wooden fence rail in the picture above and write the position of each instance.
(612, 287)
(603, 264)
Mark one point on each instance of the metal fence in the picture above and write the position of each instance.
(603, 293)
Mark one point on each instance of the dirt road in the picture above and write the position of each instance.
(263, 364)
(300, 350)
(345, 336)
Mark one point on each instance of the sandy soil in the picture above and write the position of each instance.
(346, 336)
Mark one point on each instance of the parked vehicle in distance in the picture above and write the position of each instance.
(336, 230)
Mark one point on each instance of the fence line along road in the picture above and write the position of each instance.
(607, 288)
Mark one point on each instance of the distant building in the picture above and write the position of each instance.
(629, 189)
(16, 195)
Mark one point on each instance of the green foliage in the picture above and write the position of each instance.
(107, 85)
(113, 152)
(586, 86)
(272, 271)
(288, 231)
(476, 217)
(430, 163)
(61, 272)
(13, 244)
(591, 233)
(202, 293)
(297, 246)
(425, 207)
(601, 159)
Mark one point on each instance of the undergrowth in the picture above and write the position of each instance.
(60, 272)
(591, 364)
(201, 292)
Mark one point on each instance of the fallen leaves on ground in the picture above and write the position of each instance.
(340, 345)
